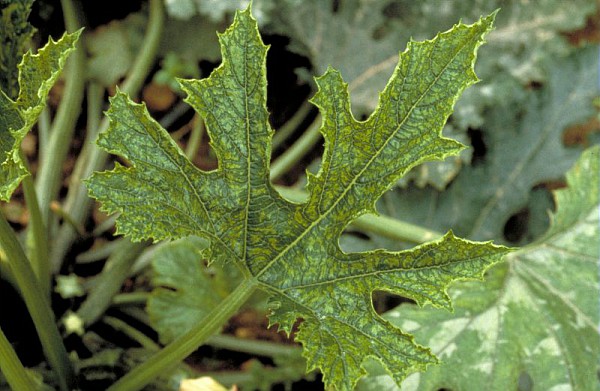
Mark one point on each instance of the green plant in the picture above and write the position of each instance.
(290, 252)
(286, 249)
(37, 74)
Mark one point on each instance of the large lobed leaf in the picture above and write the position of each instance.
(534, 324)
(37, 74)
(291, 250)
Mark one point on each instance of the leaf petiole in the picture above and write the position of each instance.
(37, 305)
(38, 239)
(383, 225)
(12, 369)
(77, 203)
(49, 177)
(299, 149)
(188, 342)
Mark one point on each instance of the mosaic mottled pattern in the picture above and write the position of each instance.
(292, 249)
(37, 74)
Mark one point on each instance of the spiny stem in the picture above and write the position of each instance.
(133, 333)
(254, 347)
(134, 298)
(291, 125)
(187, 343)
(37, 305)
(195, 137)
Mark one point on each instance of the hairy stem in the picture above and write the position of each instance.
(133, 333)
(12, 369)
(134, 298)
(78, 203)
(37, 305)
(61, 132)
(187, 343)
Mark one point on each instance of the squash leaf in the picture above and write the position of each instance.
(534, 324)
(15, 35)
(291, 250)
(37, 74)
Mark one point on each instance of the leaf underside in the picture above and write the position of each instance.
(37, 74)
(290, 249)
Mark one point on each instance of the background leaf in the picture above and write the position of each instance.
(535, 320)
(524, 150)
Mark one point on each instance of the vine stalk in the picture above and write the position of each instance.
(12, 369)
(184, 345)
(37, 304)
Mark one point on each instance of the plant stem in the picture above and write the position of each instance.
(61, 132)
(174, 114)
(301, 147)
(6, 274)
(78, 203)
(195, 137)
(98, 254)
(43, 132)
(110, 281)
(37, 305)
(253, 347)
(38, 236)
(135, 298)
(131, 332)
(187, 343)
(291, 125)
(145, 60)
(17, 377)
(382, 225)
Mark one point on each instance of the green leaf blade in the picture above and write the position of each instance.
(348, 280)
(291, 250)
(37, 74)
(162, 195)
(15, 36)
(412, 110)
(233, 102)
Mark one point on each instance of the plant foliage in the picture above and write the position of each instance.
(290, 250)
(535, 321)
(37, 74)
